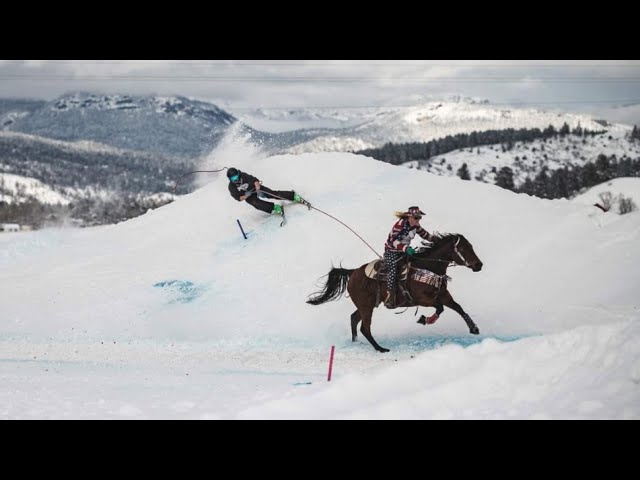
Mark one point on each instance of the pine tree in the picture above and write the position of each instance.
(548, 132)
(558, 184)
(588, 176)
(527, 187)
(578, 130)
(603, 168)
(504, 178)
(463, 172)
(541, 184)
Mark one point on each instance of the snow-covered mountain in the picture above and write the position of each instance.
(179, 128)
(528, 159)
(175, 315)
(165, 125)
(190, 128)
(435, 119)
(284, 119)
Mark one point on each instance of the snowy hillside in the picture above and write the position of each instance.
(14, 188)
(527, 159)
(86, 146)
(629, 187)
(436, 119)
(14, 109)
(174, 315)
(80, 169)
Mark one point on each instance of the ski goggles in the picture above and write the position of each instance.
(235, 178)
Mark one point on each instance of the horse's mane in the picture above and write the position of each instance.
(439, 238)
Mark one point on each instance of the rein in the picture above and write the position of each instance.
(450, 262)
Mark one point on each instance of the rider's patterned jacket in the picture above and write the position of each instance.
(401, 235)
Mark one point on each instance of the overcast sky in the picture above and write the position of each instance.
(601, 87)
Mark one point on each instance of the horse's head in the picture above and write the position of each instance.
(451, 247)
(463, 254)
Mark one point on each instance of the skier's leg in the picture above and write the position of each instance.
(255, 202)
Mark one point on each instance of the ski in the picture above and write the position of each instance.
(304, 202)
(307, 204)
(284, 218)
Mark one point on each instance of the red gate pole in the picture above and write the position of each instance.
(333, 348)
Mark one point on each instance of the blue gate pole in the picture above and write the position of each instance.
(241, 229)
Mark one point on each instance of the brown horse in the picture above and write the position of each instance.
(426, 284)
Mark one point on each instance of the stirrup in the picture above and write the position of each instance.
(407, 295)
(388, 301)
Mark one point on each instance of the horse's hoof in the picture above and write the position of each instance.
(354, 339)
(383, 350)
(422, 320)
(474, 330)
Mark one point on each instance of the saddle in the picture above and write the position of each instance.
(377, 270)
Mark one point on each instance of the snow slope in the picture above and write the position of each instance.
(629, 187)
(174, 315)
(528, 159)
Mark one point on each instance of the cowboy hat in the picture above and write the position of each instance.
(414, 212)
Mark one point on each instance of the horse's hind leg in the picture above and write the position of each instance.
(355, 319)
(366, 330)
(364, 298)
(448, 301)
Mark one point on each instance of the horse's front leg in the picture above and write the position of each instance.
(448, 301)
(432, 319)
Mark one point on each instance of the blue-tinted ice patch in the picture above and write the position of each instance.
(432, 342)
(413, 344)
(181, 291)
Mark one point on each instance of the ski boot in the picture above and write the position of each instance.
(298, 199)
(277, 210)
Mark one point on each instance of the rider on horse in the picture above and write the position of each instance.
(398, 244)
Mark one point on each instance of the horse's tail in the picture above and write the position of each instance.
(334, 288)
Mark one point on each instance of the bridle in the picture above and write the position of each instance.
(451, 262)
(455, 249)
